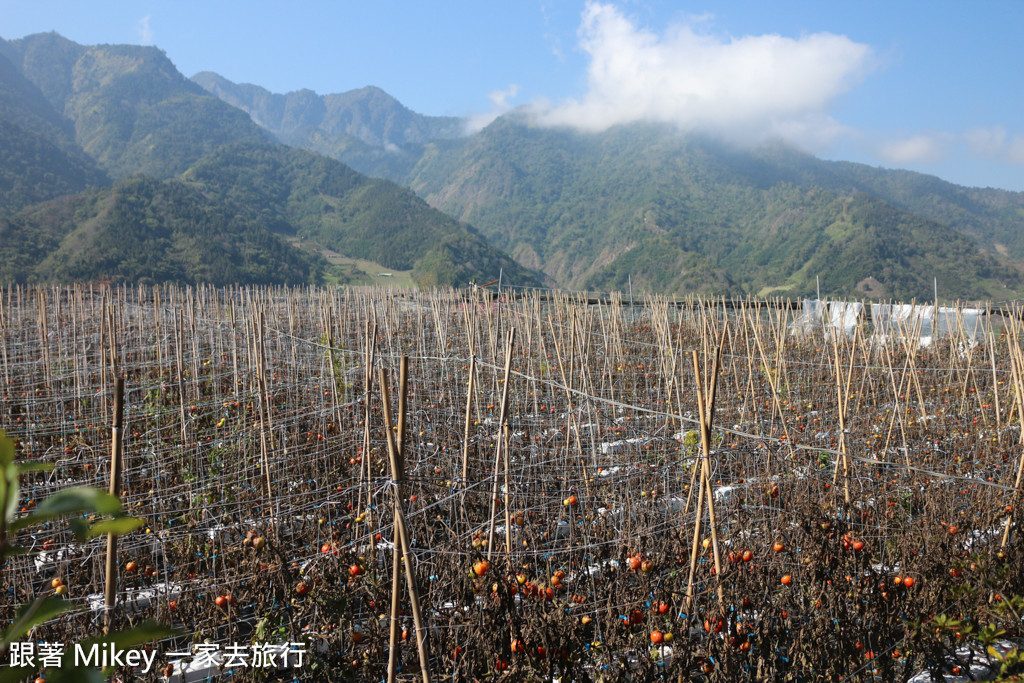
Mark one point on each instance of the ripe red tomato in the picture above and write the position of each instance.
(908, 581)
(301, 588)
(355, 570)
(220, 601)
(657, 637)
(747, 556)
(131, 566)
(787, 580)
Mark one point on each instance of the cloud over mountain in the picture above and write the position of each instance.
(748, 88)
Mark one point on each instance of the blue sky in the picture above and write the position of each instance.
(933, 86)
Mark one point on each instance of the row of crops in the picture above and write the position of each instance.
(587, 491)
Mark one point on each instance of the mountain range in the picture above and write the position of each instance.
(647, 205)
(117, 167)
(108, 151)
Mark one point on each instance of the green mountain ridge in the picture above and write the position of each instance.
(202, 194)
(686, 213)
(323, 200)
(368, 114)
(132, 111)
(675, 213)
(367, 127)
(39, 159)
(146, 231)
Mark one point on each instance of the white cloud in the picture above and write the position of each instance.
(499, 105)
(144, 30)
(500, 98)
(995, 143)
(915, 149)
(986, 142)
(749, 88)
(1015, 151)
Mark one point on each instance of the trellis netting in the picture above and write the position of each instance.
(567, 532)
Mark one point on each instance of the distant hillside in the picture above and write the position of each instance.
(292, 190)
(144, 230)
(994, 218)
(367, 127)
(39, 158)
(676, 213)
(204, 194)
(641, 204)
(130, 108)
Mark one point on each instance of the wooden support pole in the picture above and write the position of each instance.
(706, 407)
(401, 531)
(110, 585)
(1018, 387)
(465, 432)
(499, 451)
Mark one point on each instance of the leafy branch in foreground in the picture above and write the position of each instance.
(97, 513)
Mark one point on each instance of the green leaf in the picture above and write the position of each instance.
(75, 675)
(16, 675)
(79, 527)
(36, 612)
(9, 489)
(15, 550)
(6, 449)
(146, 632)
(119, 526)
(28, 467)
(75, 500)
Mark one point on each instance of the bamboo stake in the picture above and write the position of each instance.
(465, 431)
(396, 556)
(1018, 385)
(401, 531)
(502, 416)
(110, 584)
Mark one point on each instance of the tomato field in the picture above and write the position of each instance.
(531, 488)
